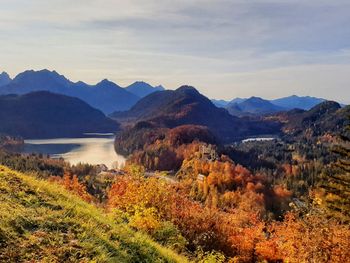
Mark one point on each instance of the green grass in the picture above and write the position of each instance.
(41, 221)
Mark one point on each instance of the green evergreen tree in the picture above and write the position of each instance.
(337, 183)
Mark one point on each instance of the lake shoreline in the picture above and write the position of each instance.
(91, 150)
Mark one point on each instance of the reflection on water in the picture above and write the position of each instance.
(259, 139)
(94, 150)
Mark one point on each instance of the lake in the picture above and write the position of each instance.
(98, 149)
(259, 139)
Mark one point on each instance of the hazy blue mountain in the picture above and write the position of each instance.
(106, 95)
(237, 100)
(253, 106)
(258, 105)
(225, 103)
(235, 110)
(4, 79)
(30, 80)
(159, 87)
(296, 102)
(142, 89)
(44, 114)
(220, 103)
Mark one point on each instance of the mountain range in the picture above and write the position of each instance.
(105, 95)
(110, 97)
(134, 103)
(67, 108)
(296, 102)
(44, 114)
(185, 105)
(259, 106)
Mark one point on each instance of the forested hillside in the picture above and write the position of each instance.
(326, 117)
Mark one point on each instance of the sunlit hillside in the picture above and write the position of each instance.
(40, 221)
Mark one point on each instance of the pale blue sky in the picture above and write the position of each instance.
(225, 49)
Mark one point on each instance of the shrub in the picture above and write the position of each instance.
(169, 235)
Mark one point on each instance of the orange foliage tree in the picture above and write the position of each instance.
(309, 239)
(207, 227)
(234, 226)
(71, 183)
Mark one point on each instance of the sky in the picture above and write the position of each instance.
(226, 49)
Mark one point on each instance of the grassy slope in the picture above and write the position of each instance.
(40, 221)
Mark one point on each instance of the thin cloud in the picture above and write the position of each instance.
(204, 43)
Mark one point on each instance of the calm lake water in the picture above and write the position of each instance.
(92, 150)
(259, 139)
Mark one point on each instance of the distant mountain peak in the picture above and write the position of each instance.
(80, 83)
(140, 85)
(141, 82)
(105, 82)
(41, 71)
(4, 78)
(43, 76)
(220, 103)
(4, 74)
(159, 87)
(187, 88)
(252, 106)
(299, 102)
(236, 101)
(255, 99)
(142, 89)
